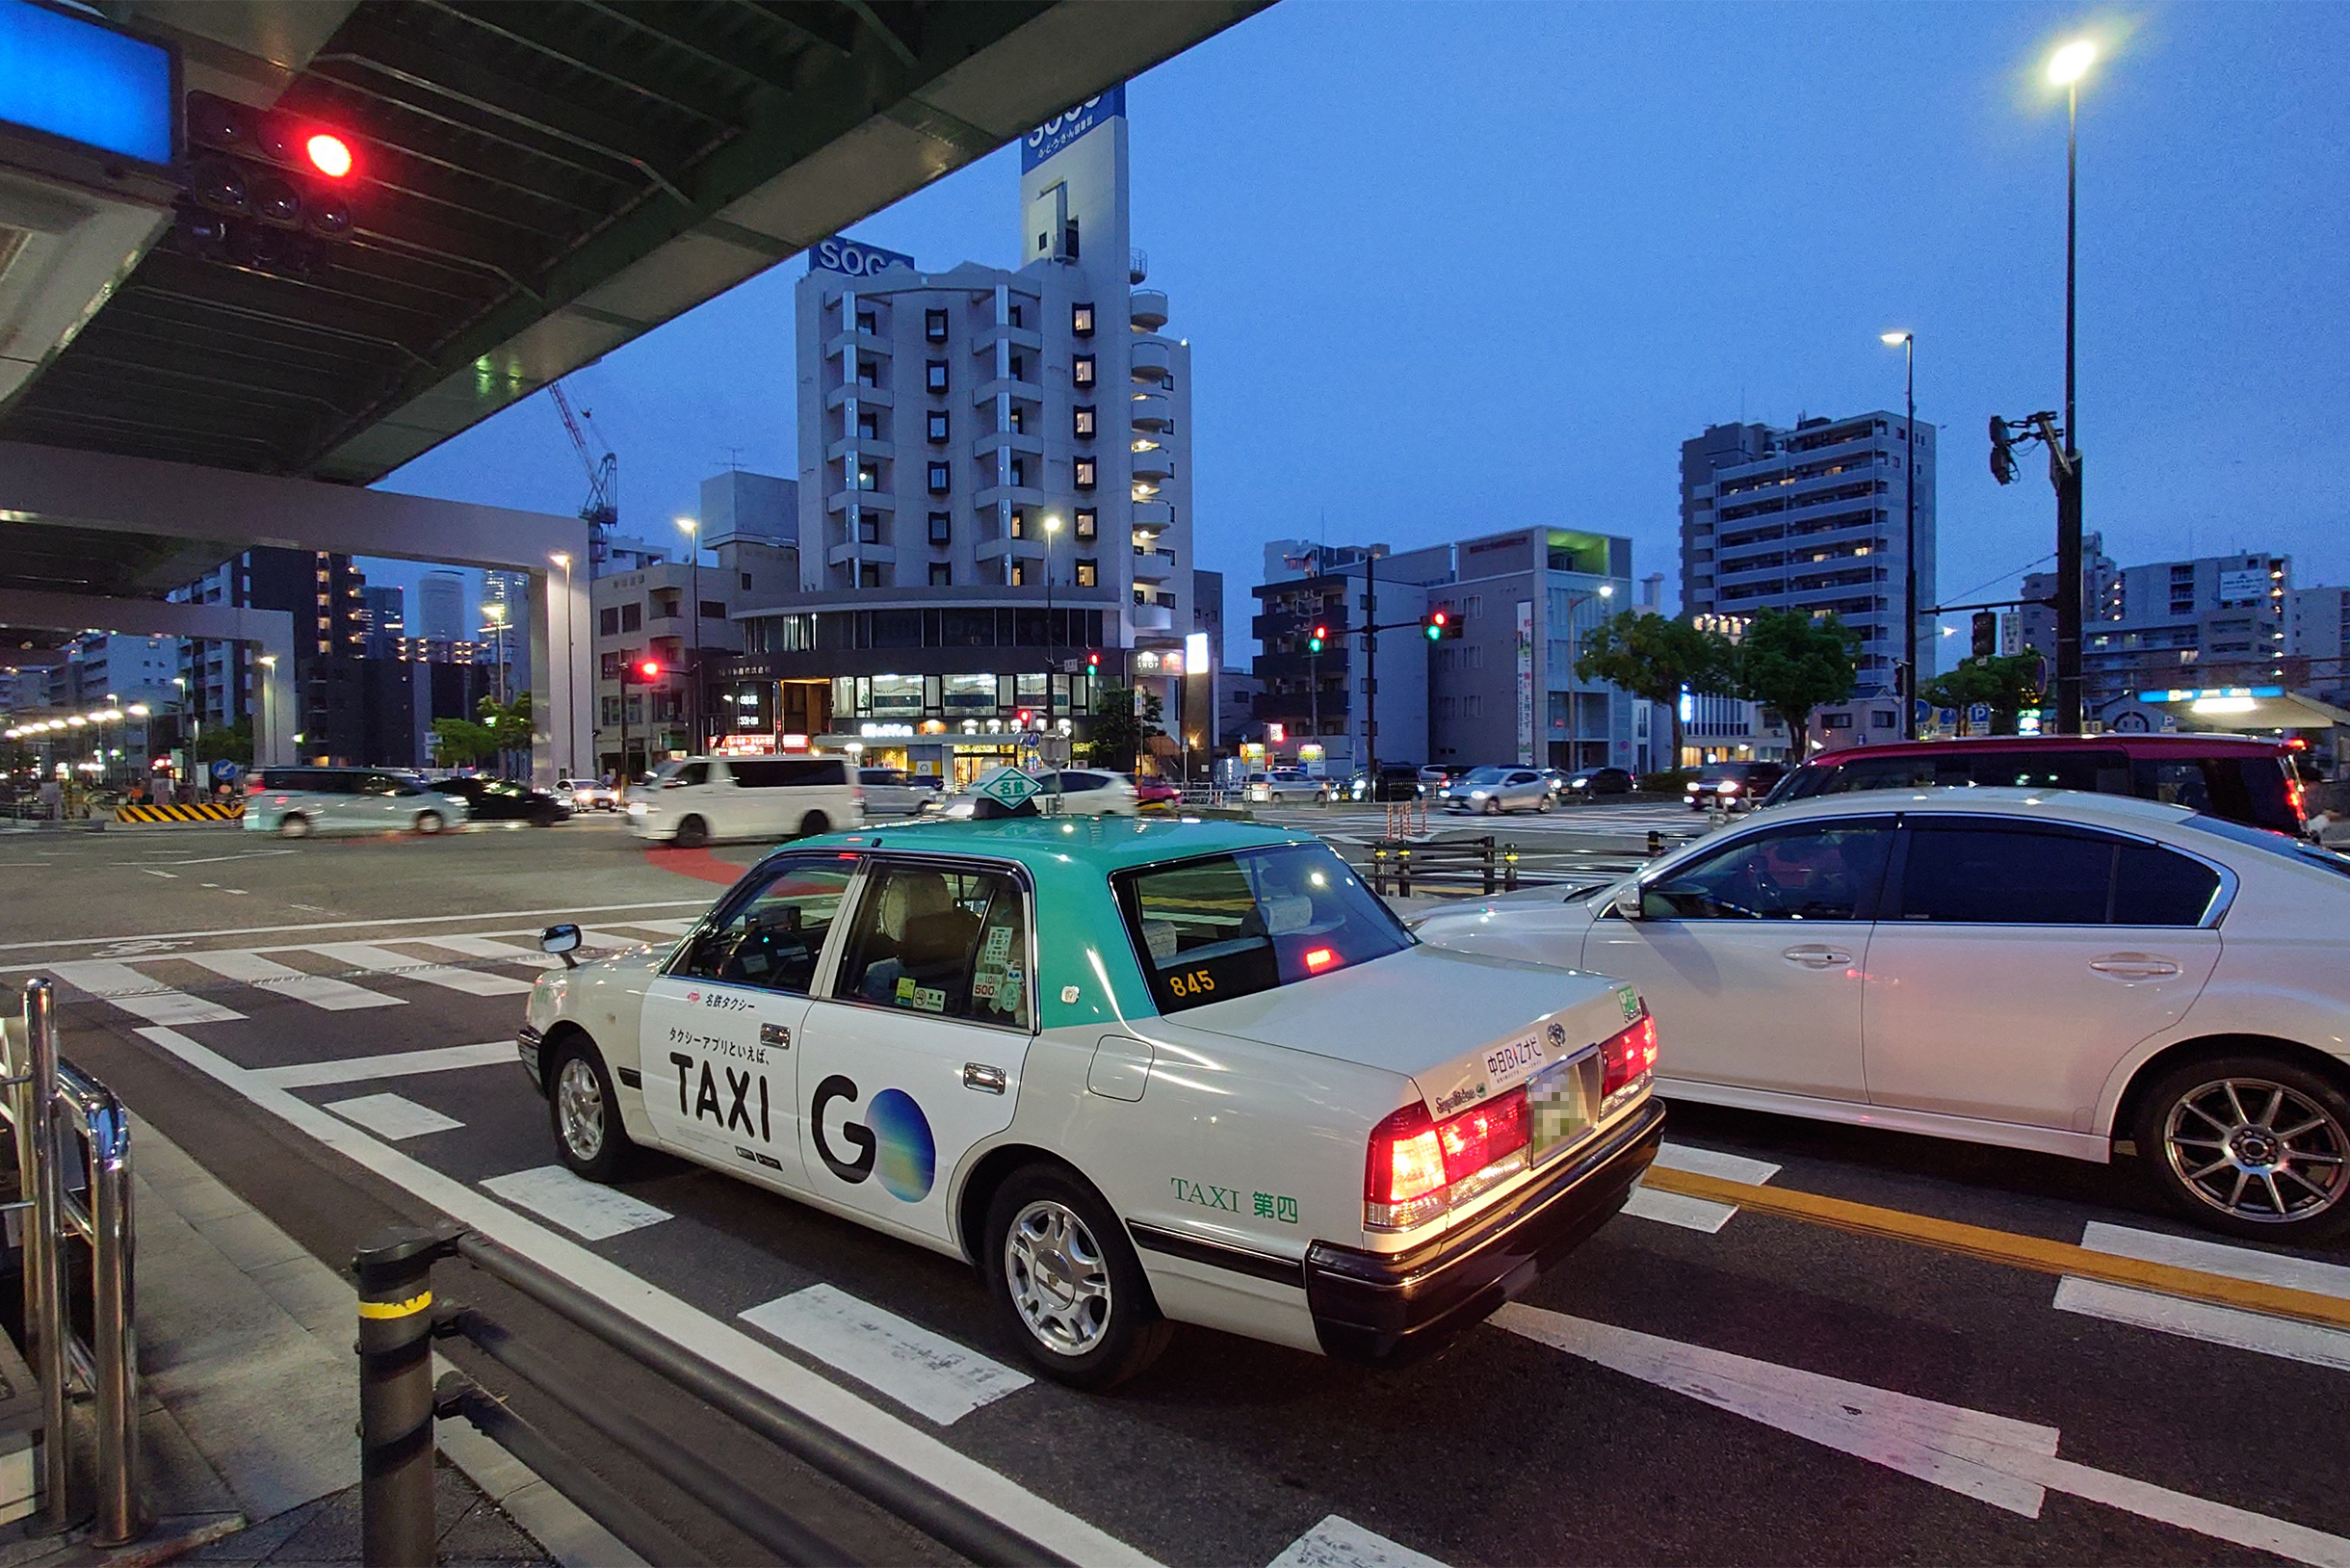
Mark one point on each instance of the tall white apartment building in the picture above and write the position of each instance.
(1017, 434)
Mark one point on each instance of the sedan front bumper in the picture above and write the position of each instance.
(1371, 1306)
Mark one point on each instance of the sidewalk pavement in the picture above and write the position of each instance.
(251, 1407)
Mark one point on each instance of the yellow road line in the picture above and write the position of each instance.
(2008, 1248)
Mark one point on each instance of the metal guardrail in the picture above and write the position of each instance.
(398, 1403)
(53, 1106)
(1450, 865)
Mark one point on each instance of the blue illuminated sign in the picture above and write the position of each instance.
(840, 255)
(1065, 127)
(86, 83)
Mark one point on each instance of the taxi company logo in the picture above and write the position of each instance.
(893, 1142)
(1558, 1035)
(1460, 1097)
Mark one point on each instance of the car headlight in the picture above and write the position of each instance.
(636, 808)
(1477, 794)
(1577, 783)
(1728, 786)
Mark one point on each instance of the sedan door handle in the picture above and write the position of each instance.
(987, 1079)
(1816, 956)
(2134, 966)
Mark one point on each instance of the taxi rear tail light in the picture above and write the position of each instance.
(1418, 1167)
(1628, 1062)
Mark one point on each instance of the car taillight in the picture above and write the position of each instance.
(1628, 1060)
(1417, 1167)
(2292, 793)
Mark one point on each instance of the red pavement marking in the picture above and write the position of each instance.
(699, 863)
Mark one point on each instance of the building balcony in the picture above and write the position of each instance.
(866, 500)
(1152, 358)
(987, 392)
(1152, 618)
(863, 342)
(1154, 514)
(1153, 411)
(1020, 444)
(1153, 466)
(878, 396)
(984, 340)
(862, 446)
(1148, 308)
(1019, 495)
(1154, 565)
(1003, 545)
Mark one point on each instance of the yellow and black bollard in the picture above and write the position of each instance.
(395, 1278)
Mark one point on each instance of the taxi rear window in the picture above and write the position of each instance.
(1227, 926)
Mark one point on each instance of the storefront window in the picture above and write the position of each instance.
(897, 697)
(969, 697)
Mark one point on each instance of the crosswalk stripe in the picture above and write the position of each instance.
(2312, 1343)
(925, 1372)
(318, 990)
(1341, 1543)
(309, 1075)
(588, 1211)
(483, 947)
(383, 960)
(134, 993)
(393, 1115)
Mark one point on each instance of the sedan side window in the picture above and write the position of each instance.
(772, 937)
(953, 943)
(1980, 873)
(1817, 872)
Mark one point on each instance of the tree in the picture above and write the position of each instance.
(2006, 685)
(1791, 664)
(1118, 730)
(1654, 659)
(460, 743)
(508, 724)
(226, 743)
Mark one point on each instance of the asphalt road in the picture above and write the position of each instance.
(1694, 1385)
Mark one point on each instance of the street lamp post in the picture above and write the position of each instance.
(1908, 691)
(1051, 531)
(694, 664)
(571, 696)
(2066, 68)
(261, 731)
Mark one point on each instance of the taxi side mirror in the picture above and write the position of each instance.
(1628, 900)
(561, 941)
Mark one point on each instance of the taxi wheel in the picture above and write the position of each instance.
(294, 828)
(429, 821)
(2251, 1145)
(692, 833)
(589, 1136)
(1063, 1274)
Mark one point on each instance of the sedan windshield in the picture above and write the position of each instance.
(1231, 925)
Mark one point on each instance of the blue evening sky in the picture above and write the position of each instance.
(1451, 268)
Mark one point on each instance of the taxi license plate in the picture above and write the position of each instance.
(1563, 1100)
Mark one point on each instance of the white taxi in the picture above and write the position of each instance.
(1137, 1072)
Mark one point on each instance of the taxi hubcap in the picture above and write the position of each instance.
(580, 1101)
(2257, 1150)
(1060, 1283)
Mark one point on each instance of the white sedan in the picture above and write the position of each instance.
(1135, 1071)
(1073, 792)
(2083, 975)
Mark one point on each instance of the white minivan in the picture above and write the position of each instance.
(699, 799)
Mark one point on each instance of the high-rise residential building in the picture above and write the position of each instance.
(2216, 621)
(323, 595)
(387, 621)
(2317, 642)
(1812, 518)
(504, 632)
(2034, 624)
(440, 608)
(995, 483)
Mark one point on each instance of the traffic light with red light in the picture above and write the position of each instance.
(1317, 640)
(266, 189)
(1093, 660)
(1025, 717)
(1441, 624)
(650, 670)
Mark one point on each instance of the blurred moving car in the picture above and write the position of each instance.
(295, 802)
(1732, 785)
(1396, 782)
(1590, 783)
(985, 1023)
(1072, 792)
(693, 801)
(1282, 785)
(1496, 790)
(893, 791)
(2075, 973)
(2234, 777)
(502, 800)
(1153, 792)
(589, 793)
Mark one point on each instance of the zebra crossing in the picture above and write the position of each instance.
(337, 977)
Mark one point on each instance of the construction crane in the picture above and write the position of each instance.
(601, 510)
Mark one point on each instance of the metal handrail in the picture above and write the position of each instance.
(48, 1096)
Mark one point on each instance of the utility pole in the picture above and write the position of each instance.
(2066, 67)
(1371, 671)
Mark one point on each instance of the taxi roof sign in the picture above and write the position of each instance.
(1008, 786)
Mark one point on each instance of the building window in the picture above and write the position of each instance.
(934, 372)
(1089, 571)
(1018, 527)
(1080, 370)
(1018, 318)
(868, 371)
(608, 622)
(941, 477)
(1084, 473)
(942, 530)
(1087, 524)
(868, 575)
(942, 575)
(632, 616)
(1018, 570)
(1080, 318)
(938, 425)
(868, 423)
(1085, 421)
(713, 610)
(869, 477)
(1019, 367)
(934, 326)
(1020, 471)
(867, 321)
(743, 580)
(1019, 416)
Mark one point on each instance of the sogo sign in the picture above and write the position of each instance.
(839, 255)
(1068, 125)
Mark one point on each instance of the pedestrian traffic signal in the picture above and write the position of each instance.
(1441, 624)
(266, 189)
(2002, 450)
(1318, 639)
(1986, 631)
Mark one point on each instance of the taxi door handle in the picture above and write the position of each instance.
(1816, 956)
(978, 1074)
(2134, 966)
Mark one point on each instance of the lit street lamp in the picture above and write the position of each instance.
(1908, 690)
(1051, 530)
(2066, 68)
(694, 664)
